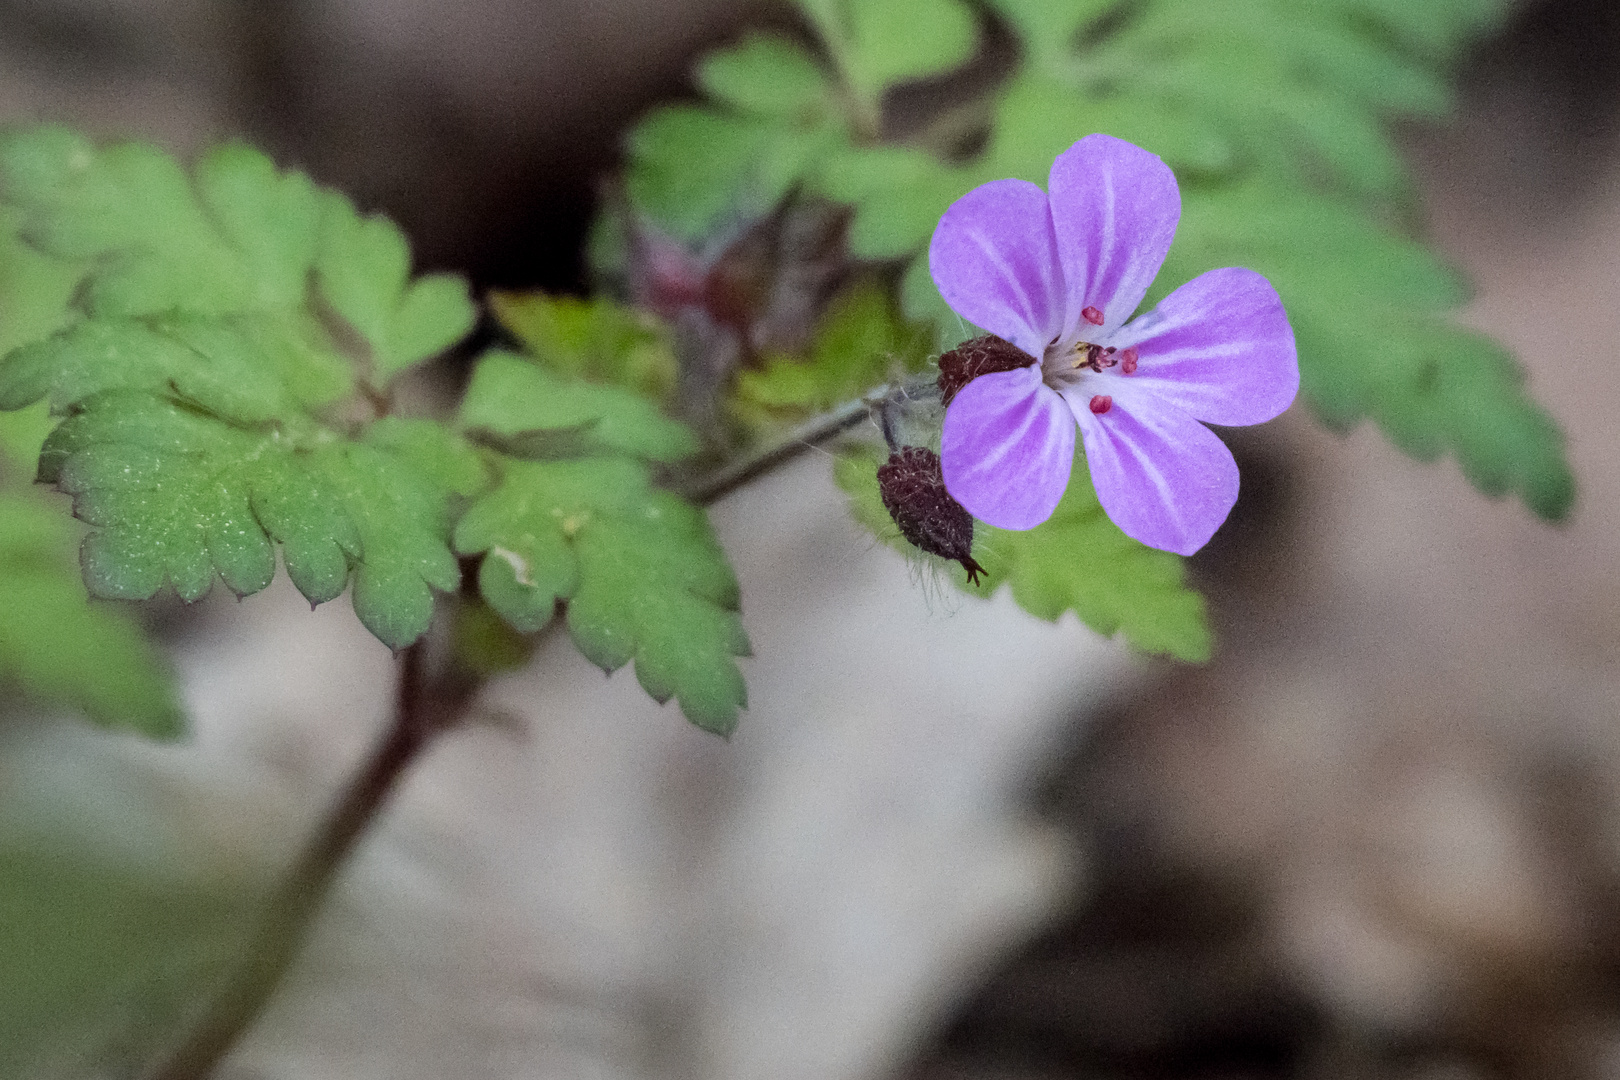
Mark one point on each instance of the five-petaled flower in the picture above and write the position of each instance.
(1057, 274)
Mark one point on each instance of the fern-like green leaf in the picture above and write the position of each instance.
(862, 342)
(239, 238)
(221, 343)
(177, 497)
(56, 647)
(639, 569)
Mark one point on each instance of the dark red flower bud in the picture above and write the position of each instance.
(981, 356)
(913, 488)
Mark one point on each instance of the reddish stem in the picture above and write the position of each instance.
(290, 910)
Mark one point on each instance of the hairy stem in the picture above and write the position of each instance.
(807, 436)
(290, 910)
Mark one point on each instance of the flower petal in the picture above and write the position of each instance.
(1007, 448)
(1164, 478)
(1220, 348)
(1115, 208)
(994, 258)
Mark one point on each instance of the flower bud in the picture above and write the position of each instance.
(913, 489)
(981, 356)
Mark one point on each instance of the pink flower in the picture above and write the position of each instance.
(1058, 275)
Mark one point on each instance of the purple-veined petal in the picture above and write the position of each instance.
(1219, 348)
(1007, 448)
(1115, 208)
(994, 258)
(1163, 477)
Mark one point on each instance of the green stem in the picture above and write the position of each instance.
(807, 436)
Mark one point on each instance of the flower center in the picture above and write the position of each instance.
(1063, 367)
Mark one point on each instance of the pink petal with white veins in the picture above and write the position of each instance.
(1219, 348)
(994, 258)
(1161, 476)
(1007, 448)
(1115, 208)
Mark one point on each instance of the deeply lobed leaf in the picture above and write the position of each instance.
(222, 343)
(239, 238)
(55, 647)
(640, 570)
(177, 496)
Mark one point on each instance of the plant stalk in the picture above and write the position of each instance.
(807, 436)
(289, 912)
(425, 709)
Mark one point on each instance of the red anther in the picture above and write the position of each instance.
(1101, 403)
(1092, 316)
(1127, 361)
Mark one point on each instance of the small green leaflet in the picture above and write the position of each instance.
(898, 193)
(862, 342)
(697, 171)
(525, 410)
(1049, 28)
(640, 570)
(1078, 561)
(597, 339)
(364, 272)
(880, 43)
(768, 76)
(36, 290)
(782, 123)
(57, 647)
(575, 520)
(230, 338)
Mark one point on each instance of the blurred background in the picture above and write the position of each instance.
(1378, 837)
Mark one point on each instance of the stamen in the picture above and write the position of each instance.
(1127, 361)
(1095, 357)
(1101, 403)
(1092, 316)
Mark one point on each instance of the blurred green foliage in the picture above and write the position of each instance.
(101, 960)
(1274, 114)
(57, 647)
(595, 339)
(1077, 560)
(861, 342)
